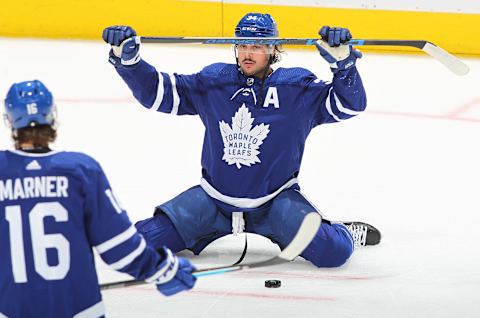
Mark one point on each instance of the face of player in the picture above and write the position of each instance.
(253, 58)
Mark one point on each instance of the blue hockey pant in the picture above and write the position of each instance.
(192, 220)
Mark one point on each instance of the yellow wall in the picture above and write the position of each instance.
(457, 33)
(87, 18)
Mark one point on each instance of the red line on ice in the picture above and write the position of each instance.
(260, 295)
(419, 115)
(308, 275)
(454, 115)
(464, 108)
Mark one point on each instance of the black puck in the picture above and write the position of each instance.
(273, 283)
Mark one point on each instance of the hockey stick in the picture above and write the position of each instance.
(243, 253)
(450, 61)
(302, 239)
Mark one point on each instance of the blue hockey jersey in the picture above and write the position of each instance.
(54, 208)
(255, 131)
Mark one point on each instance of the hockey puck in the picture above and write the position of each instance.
(273, 283)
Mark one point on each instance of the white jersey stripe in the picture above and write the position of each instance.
(159, 97)
(328, 104)
(343, 109)
(176, 98)
(114, 203)
(117, 240)
(245, 203)
(95, 311)
(130, 257)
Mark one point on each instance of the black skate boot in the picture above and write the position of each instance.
(363, 234)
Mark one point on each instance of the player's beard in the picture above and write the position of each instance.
(254, 70)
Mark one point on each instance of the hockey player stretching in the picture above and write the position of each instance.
(256, 122)
(54, 207)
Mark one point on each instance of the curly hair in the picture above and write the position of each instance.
(276, 56)
(40, 136)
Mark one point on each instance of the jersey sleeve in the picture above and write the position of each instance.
(339, 100)
(112, 234)
(163, 92)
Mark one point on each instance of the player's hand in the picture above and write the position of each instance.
(125, 44)
(177, 274)
(334, 49)
(335, 36)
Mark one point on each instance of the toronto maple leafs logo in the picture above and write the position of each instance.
(241, 142)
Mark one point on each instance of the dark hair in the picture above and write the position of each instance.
(276, 57)
(40, 136)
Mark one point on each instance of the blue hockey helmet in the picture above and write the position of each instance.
(29, 104)
(256, 25)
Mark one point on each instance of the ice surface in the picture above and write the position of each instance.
(409, 165)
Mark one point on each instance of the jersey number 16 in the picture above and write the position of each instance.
(40, 241)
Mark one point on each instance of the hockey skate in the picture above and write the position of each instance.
(363, 234)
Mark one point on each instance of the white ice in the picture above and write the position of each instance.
(409, 165)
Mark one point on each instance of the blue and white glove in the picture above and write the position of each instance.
(333, 49)
(175, 274)
(125, 45)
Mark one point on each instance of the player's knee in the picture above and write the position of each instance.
(145, 226)
(342, 255)
(330, 248)
(336, 257)
(159, 231)
(150, 230)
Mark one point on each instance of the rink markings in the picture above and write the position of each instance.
(261, 295)
(146, 290)
(464, 108)
(124, 99)
(315, 276)
(426, 116)
(453, 115)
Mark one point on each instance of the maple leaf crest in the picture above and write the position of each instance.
(240, 142)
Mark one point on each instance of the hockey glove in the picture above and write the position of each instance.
(125, 45)
(333, 49)
(175, 274)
